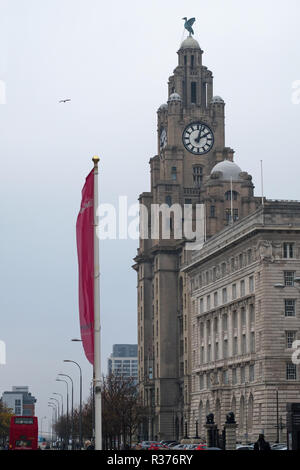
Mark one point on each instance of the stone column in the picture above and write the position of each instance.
(230, 432)
(211, 431)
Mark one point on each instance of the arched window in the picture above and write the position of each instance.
(169, 200)
(228, 195)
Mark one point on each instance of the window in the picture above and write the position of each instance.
(251, 284)
(192, 61)
(224, 295)
(241, 260)
(202, 355)
(223, 269)
(251, 373)
(242, 288)
(217, 351)
(188, 201)
(197, 175)
(225, 349)
(208, 302)
(288, 250)
(228, 195)
(243, 316)
(169, 200)
(228, 215)
(252, 342)
(212, 211)
(249, 255)
(234, 377)
(209, 353)
(193, 90)
(215, 299)
(174, 173)
(251, 314)
(235, 346)
(201, 382)
(225, 377)
(291, 372)
(214, 273)
(244, 346)
(225, 322)
(289, 278)
(242, 374)
(235, 319)
(235, 214)
(290, 337)
(289, 308)
(233, 291)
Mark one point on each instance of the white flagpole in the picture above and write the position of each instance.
(262, 183)
(97, 326)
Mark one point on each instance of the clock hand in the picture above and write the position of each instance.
(199, 135)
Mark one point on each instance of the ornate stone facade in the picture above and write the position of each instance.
(244, 319)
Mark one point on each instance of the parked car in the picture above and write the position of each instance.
(147, 444)
(245, 447)
(201, 447)
(279, 447)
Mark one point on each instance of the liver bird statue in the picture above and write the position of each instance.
(188, 24)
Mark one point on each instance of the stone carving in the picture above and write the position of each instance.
(230, 419)
(265, 250)
(210, 418)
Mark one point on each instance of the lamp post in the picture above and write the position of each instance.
(72, 406)
(44, 417)
(68, 435)
(58, 413)
(62, 402)
(80, 401)
(52, 406)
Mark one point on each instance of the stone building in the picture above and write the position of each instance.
(179, 377)
(244, 320)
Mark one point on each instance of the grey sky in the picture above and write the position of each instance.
(114, 59)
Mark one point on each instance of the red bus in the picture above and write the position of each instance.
(23, 433)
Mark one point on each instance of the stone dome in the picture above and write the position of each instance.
(228, 169)
(162, 107)
(217, 99)
(190, 43)
(174, 97)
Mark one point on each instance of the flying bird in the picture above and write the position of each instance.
(64, 101)
(188, 24)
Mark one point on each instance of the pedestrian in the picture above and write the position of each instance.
(89, 445)
(261, 444)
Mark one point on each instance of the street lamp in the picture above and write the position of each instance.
(72, 414)
(44, 417)
(53, 407)
(58, 413)
(80, 401)
(62, 402)
(61, 380)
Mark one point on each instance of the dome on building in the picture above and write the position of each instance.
(228, 169)
(174, 97)
(163, 106)
(190, 43)
(217, 99)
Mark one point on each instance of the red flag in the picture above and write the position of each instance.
(85, 251)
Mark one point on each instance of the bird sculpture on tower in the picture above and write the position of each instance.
(188, 24)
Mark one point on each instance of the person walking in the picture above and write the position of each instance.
(261, 444)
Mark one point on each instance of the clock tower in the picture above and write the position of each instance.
(192, 166)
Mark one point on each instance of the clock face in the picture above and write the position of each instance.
(198, 138)
(163, 138)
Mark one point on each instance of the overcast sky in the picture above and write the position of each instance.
(113, 59)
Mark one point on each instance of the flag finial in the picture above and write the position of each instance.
(96, 160)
